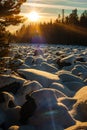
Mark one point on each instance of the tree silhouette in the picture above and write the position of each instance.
(73, 17)
(83, 18)
(66, 19)
(9, 15)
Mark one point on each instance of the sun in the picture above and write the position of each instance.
(33, 16)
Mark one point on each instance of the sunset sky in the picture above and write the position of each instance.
(48, 9)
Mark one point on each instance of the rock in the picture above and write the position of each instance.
(27, 88)
(24, 127)
(74, 85)
(29, 60)
(79, 110)
(27, 109)
(68, 102)
(5, 98)
(61, 88)
(39, 60)
(67, 76)
(48, 67)
(15, 63)
(11, 115)
(10, 83)
(48, 109)
(67, 61)
(38, 51)
(44, 97)
(44, 78)
(24, 66)
(78, 69)
(78, 126)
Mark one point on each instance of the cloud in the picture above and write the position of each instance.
(53, 6)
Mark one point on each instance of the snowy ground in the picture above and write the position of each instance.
(47, 89)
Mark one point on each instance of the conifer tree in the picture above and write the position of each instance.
(9, 15)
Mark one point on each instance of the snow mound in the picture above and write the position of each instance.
(27, 88)
(79, 110)
(48, 109)
(44, 78)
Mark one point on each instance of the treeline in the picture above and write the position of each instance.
(51, 33)
(70, 30)
(73, 18)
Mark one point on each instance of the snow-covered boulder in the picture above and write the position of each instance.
(48, 67)
(67, 76)
(11, 83)
(79, 110)
(27, 88)
(62, 88)
(66, 61)
(48, 109)
(44, 78)
(29, 60)
(24, 127)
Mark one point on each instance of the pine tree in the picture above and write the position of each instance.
(83, 19)
(9, 15)
(73, 17)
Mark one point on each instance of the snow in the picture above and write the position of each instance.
(55, 76)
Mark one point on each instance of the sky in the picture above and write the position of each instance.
(50, 9)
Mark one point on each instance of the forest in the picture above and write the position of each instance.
(71, 29)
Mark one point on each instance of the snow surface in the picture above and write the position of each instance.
(55, 77)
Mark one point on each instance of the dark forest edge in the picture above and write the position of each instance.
(57, 33)
(71, 29)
